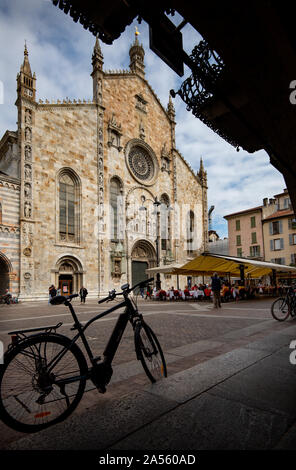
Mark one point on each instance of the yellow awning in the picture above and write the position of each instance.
(209, 263)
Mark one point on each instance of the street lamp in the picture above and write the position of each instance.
(156, 204)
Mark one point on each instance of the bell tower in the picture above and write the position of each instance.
(26, 82)
(137, 54)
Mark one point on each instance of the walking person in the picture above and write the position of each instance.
(216, 288)
(52, 293)
(83, 293)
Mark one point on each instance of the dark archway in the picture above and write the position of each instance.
(143, 257)
(4, 274)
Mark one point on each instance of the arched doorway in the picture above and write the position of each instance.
(69, 275)
(143, 257)
(4, 273)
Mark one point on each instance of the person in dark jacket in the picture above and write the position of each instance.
(83, 293)
(216, 288)
(52, 292)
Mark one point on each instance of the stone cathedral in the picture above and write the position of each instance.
(95, 192)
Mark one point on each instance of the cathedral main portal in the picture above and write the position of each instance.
(143, 257)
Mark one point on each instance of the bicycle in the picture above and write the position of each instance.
(284, 306)
(44, 374)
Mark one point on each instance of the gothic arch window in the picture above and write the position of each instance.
(69, 206)
(115, 193)
(165, 222)
(190, 232)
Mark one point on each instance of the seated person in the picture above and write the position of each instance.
(7, 297)
(162, 294)
(207, 292)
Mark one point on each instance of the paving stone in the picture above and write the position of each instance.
(191, 382)
(207, 423)
(101, 426)
(266, 385)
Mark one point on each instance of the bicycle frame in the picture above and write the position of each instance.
(113, 342)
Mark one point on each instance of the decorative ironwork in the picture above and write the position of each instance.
(141, 163)
(200, 89)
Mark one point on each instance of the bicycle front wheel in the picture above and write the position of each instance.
(280, 309)
(33, 395)
(149, 352)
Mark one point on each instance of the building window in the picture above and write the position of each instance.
(165, 222)
(292, 224)
(67, 206)
(238, 240)
(277, 244)
(115, 192)
(293, 258)
(253, 221)
(287, 203)
(254, 237)
(292, 238)
(239, 252)
(255, 251)
(237, 224)
(278, 260)
(190, 232)
(275, 227)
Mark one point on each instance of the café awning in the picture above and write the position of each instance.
(207, 263)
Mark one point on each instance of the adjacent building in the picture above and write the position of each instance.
(266, 232)
(279, 231)
(95, 192)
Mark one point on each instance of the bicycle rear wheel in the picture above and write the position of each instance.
(280, 309)
(32, 396)
(149, 352)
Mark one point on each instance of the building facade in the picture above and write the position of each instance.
(279, 231)
(94, 193)
(266, 232)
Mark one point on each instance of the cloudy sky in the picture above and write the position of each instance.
(60, 55)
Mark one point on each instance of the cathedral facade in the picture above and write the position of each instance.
(92, 193)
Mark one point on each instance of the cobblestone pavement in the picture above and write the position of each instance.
(191, 334)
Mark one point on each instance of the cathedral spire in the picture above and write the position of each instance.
(137, 54)
(26, 68)
(97, 57)
(171, 109)
(202, 173)
(97, 72)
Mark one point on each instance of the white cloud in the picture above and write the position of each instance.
(60, 54)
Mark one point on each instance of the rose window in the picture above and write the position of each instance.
(141, 163)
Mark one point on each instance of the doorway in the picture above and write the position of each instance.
(139, 272)
(4, 276)
(66, 284)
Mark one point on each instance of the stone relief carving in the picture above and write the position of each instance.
(28, 172)
(27, 209)
(28, 116)
(28, 134)
(28, 153)
(28, 190)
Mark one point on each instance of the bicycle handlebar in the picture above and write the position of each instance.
(127, 289)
